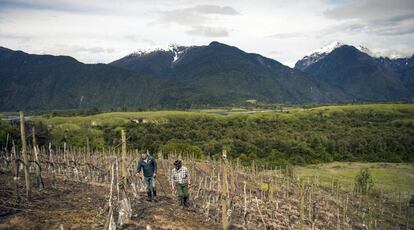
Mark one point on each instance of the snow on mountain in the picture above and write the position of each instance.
(327, 49)
(142, 52)
(176, 50)
(317, 55)
(321, 53)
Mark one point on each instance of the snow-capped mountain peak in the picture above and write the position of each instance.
(176, 50)
(328, 48)
(321, 53)
(317, 55)
(336, 44)
(145, 51)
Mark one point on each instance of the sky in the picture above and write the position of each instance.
(101, 31)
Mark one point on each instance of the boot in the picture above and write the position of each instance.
(181, 201)
(149, 196)
(185, 201)
(154, 194)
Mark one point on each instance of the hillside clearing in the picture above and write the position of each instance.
(388, 177)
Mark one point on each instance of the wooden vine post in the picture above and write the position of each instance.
(301, 204)
(125, 206)
(123, 158)
(16, 171)
(224, 193)
(24, 154)
(36, 158)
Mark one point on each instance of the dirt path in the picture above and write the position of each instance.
(166, 213)
(79, 205)
(71, 205)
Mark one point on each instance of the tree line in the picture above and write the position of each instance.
(272, 138)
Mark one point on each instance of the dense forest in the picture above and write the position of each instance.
(374, 133)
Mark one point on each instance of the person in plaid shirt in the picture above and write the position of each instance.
(180, 181)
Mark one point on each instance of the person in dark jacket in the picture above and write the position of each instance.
(148, 166)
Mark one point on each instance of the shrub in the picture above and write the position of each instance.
(363, 182)
(182, 148)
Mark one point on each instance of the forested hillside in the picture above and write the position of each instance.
(213, 75)
(378, 132)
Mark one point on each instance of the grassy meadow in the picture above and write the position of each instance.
(388, 177)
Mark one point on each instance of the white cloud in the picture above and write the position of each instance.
(104, 30)
(208, 31)
(372, 9)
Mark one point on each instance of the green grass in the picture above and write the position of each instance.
(365, 107)
(388, 177)
(117, 119)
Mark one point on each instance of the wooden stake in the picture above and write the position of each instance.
(245, 199)
(260, 213)
(301, 205)
(36, 153)
(123, 158)
(16, 171)
(224, 193)
(24, 154)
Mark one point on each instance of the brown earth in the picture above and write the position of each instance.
(80, 205)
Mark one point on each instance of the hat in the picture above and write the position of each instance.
(177, 163)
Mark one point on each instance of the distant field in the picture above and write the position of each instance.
(119, 118)
(389, 177)
(390, 108)
(290, 109)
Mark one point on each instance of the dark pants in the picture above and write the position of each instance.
(150, 184)
(182, 190)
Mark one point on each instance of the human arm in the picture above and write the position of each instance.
(172, 180)
(154, 163)
(139, 167)
(188, 177)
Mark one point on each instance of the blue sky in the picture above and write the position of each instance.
(104, 30)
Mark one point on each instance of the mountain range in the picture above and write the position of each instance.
(360, 75)
(201, 76)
